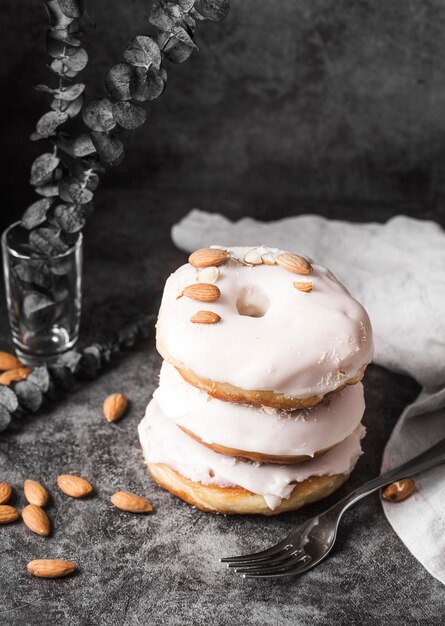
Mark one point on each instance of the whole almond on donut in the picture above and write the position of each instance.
(204, 292)
(15, 375)
(35, 493)
(294, 263)
(127, 501)
(305, 286)
(205, 317)
(51, 568)
(115, 406)
(9, 361)
(5, 492)
(205, 257)
(36, 519)
(8, 514)
(74, 486)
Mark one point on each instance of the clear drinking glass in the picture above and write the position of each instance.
(43, 295)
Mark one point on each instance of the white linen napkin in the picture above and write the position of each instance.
(397, 271)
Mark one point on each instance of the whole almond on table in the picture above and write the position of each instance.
(15, 375)
(204, 292)
(206, 257)
(74, 486)
(294, 263)
(9, 361)
(5, 492)
(51, 568)
(35, 493)
(36, 519)
(399, 490)
(8, 514)
(115, 406)
(127, 501)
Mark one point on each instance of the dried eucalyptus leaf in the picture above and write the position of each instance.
(76, 59)
(149, 85)
(197, 16)
(166, 15)
(176, 51)
(72, 108)
(8, 399)
(48, 191)
(37, 309)
(120, 81)
(58, 67)
(70, 93)
(143, 51)
(98, 115)
(70, 360)
(29, 395)
(64, 36)
(36, 213)
(71, 189)
(43, 167)
(71, 219)
(44, 89)
(80, 147)
(109, 148)
(72, 8)
(186, 5)
(57, 19)
(40, 377)
(35, 137)
(63, 377)
(33, 272)
(47, 241)
(5, 418)
(182, 36)
(48, 123)
(215, 10)
(128, 115)
(87, 175)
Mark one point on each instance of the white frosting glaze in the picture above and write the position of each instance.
(305, 344)
(300, 432)
(163, 442)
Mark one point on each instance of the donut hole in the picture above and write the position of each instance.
(252, 303)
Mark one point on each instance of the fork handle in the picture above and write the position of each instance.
(426, 460)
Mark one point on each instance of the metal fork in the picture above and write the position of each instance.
(310, 543)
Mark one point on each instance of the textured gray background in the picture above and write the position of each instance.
(333, 106)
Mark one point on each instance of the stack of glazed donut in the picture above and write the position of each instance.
(259, 404)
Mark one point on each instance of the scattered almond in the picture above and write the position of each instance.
(208, 275)
(205, 257)
(305, 286)
(8, 514)
(253, 257)
(51, 568)
(36, 519)
(128, 501)
(15, 375)
(205, 317)
(35, 493)
(5, 492)
(74, 486)
(399, 490)
(9, 361)
(115, 406)
(204, 292)
(294, 263)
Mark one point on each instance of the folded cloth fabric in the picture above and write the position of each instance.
(397, 271)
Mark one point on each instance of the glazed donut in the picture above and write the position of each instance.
(216, 482)
(260, 434)
(263, 327)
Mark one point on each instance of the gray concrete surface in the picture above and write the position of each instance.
(163, 569)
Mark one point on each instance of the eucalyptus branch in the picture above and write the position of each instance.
(68, 177)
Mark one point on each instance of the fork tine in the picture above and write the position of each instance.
(294, 557)
(300, 568)
(285, 555)
(258, 556)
